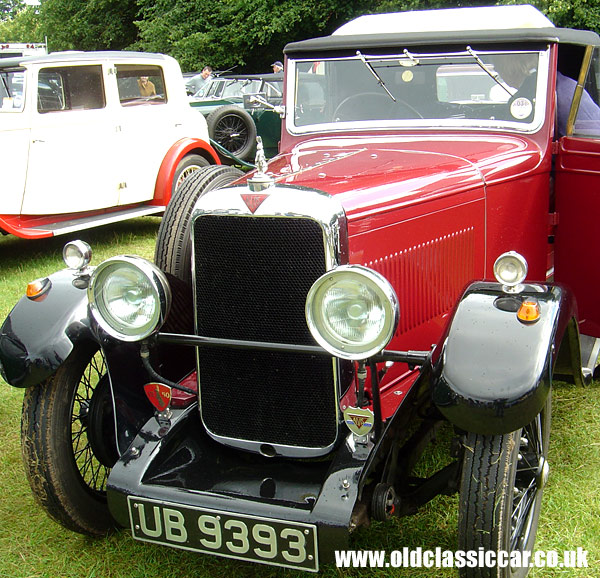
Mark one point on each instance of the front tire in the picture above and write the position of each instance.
(173, 250)
(501, 493)
(68, 442)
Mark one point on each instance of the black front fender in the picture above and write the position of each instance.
(38, 335)
(491, 371)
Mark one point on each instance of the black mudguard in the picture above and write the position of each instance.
(38, 335)
(491, 371)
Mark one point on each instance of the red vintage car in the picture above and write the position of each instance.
(412, 259)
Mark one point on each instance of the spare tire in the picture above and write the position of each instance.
(234, 129)
(173, 244)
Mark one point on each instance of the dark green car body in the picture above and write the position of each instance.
(219, 94)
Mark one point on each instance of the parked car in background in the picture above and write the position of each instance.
(15, 49)
(92, 138)
(412, 266)
(240, 107)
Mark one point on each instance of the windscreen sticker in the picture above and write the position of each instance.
(407, 76)
(521, 108)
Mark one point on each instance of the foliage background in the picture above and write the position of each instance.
(247, 34)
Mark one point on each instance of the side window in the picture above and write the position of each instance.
(12, 89)
(70, 88)
(140, 84)
(587, 121)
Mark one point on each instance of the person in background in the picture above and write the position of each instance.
(197, 82)
(206, 74)
(146, 86)
(277, 66)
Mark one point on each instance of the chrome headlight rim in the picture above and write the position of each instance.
(159, 289)
(344, 349)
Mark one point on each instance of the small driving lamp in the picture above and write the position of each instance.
(510, 269)
(77, 255)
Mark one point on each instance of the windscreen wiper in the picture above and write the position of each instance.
(493, 75)
(374, 73)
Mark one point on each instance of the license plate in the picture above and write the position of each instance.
(251, 538)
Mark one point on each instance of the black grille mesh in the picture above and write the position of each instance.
(253, 274)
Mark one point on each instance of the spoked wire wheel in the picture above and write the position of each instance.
(233, 128)
(89, 417)
(530, 479)
(231, 133)
(68, 441)
(501, 493)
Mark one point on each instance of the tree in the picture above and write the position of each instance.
(246, 34)
(582, 14)
(88, 24)
(22, 26)
(9, 8)
(250, 34)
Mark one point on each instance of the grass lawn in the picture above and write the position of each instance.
(31, 545)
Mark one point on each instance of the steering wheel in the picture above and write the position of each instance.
(372, 106)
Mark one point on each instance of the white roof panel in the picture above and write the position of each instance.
(447, 20)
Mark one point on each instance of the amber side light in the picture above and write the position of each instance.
(529, 311)
(38, 288)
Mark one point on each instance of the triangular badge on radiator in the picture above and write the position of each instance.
(254, 200)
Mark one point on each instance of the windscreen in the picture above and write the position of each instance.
(470, 88)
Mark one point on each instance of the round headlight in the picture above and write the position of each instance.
(352, 312)
(77, 255)
(129, 297)
(510, 269)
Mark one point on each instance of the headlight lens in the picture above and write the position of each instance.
(129, 297)
(352, 312)
(510, 269)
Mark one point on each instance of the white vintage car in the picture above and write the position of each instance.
(88, 138)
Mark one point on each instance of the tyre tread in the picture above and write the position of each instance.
(172, 244)
(44, 462)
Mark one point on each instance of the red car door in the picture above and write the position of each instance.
(578, 206)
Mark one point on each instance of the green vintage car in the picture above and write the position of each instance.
(238, 108)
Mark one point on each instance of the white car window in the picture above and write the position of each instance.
(12, 89)
(70, 88)
(139, 84)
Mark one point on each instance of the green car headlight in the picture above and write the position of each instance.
(352, 312)
(129, 297)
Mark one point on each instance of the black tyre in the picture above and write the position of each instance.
(187, 165)
(234, 129)
(501, 493)
(173, 246)
(68, 442)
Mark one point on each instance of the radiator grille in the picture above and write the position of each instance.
(252, 277)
